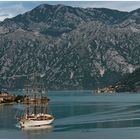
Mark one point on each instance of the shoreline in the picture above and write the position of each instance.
(7, 103)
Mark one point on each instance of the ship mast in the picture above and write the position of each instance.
(41, 95)
(27, 95)
(35, 93)
(46, 97)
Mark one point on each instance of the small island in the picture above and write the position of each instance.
(5, 97)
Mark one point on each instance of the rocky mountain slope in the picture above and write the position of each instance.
(75, 48)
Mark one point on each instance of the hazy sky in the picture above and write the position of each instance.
(12, 8)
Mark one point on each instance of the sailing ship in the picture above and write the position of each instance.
(36, 110)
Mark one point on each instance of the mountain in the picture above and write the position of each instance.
(75, 48)
(130, 82)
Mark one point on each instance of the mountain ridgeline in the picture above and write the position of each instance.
(75, 48)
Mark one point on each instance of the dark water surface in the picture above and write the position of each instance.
(81, 114)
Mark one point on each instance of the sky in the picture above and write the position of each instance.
(10, 9)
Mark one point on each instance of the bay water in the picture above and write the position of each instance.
(80, 115)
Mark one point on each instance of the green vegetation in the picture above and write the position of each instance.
(130, 82)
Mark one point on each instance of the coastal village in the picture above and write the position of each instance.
(106, 90)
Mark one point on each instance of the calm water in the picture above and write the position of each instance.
(81, 114)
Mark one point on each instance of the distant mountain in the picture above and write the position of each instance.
(75, 48)
(130, 82)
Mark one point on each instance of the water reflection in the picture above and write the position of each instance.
(46, 128)
(1, 108)
(33, 132)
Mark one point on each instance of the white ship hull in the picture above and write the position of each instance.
(34, 123)
(27, 122)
